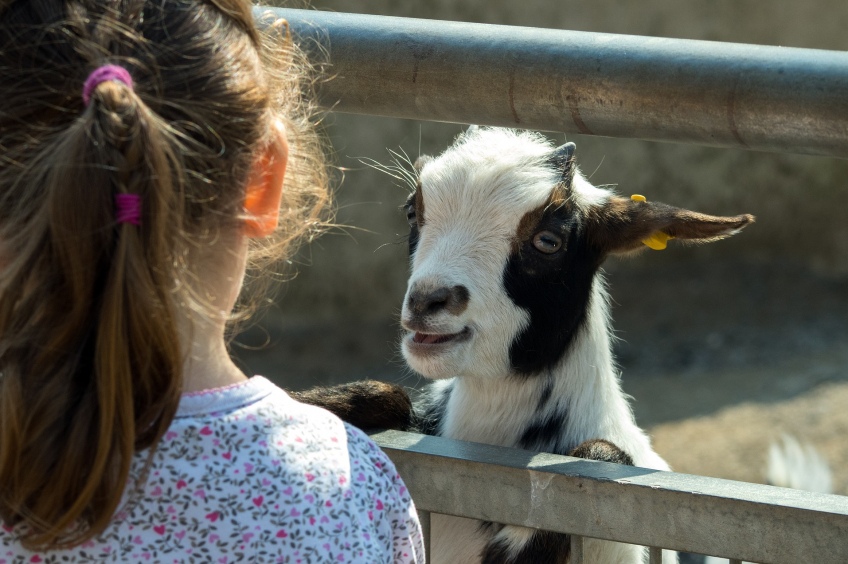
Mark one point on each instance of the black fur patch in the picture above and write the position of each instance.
(554, 289)
(368, 404)
(543, 432)
(431, 413)
(413, 239)
(547, 390)
(543, 547)
(411, 217)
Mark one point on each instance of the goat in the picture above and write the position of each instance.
(507, 310)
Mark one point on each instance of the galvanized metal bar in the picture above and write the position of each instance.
(710, 93)
(576, 552)
(635, 505)
(424, 519)
(655, 555)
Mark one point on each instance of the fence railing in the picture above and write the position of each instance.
(705, 92)
(709, 93)
(622, 503)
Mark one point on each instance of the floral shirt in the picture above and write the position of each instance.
(247, 474)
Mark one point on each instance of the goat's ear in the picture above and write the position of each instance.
(563, 159)
(420, 162)
(622, 225)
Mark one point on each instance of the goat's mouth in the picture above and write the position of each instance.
(435, 338)
(426, 341)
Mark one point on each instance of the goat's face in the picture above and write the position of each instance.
(506, 237)
(491, 235)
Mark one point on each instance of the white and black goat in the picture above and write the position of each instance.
(507, 310)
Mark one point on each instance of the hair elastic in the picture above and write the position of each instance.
(102, 74)
(128, 208)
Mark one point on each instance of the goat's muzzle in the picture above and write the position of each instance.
(421, 302)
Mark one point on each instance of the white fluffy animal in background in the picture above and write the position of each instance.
(799, 466)
(793, 465)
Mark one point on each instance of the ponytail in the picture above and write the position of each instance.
(105, 378)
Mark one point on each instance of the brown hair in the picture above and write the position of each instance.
(90, 360)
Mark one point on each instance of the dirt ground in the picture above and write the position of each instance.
(733, 442)
(762, 354)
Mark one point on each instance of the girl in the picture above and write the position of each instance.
(143, 146)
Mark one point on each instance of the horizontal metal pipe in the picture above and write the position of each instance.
(610, 501)
(710, 93)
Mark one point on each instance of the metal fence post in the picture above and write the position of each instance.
(576, 549)
(424, 519)
(655, 555)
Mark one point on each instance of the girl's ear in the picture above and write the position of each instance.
(264, 190)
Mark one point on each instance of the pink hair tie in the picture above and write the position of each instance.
(128, 208)
(102, 74)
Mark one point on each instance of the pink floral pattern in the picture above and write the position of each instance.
(247, 474)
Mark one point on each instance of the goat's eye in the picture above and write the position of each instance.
(411, 217)
(547, 242)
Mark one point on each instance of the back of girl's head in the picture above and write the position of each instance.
(90, 361)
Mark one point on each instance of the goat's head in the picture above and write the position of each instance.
(506, 236)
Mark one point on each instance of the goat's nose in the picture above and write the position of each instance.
(452, 299)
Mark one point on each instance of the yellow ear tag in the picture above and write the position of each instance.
(658, 240)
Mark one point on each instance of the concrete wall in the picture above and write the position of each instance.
(341, 309)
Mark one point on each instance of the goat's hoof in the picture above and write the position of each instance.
(368, 404)
(603, 450)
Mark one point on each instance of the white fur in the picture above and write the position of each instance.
(475, 195)
(586, 195)
(793, 465)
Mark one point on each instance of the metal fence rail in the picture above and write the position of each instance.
(609, 501)
(710, 93)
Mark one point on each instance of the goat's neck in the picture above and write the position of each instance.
(583, 385)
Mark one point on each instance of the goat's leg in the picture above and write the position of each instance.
(520, 545)
(368, 404)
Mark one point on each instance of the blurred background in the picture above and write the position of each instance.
(723, 347)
